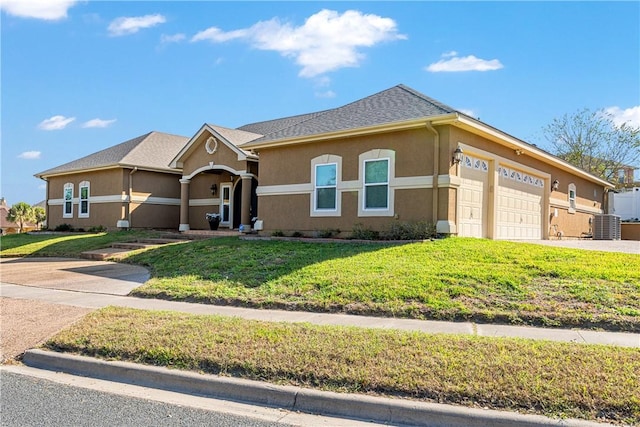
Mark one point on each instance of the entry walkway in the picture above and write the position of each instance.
(98, 300)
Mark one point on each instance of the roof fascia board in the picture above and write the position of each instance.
(381, 128)
(45, 175)
(103, 168)
(507, 140)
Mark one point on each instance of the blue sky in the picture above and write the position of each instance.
(80, 76)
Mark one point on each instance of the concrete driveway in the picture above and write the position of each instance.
(73, 274)
(26, 323)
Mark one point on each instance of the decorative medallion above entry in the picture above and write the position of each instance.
(211, 142)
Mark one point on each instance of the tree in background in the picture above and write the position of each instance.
(40, 215)
(21, 213)
(592, 141)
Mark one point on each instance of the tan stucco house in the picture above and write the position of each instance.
(127, 185)
(395, 155)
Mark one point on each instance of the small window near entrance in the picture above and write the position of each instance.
(572, 198)
(83, 211)
(67, 210)
(226, 204)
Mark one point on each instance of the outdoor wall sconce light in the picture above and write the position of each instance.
(214, 189)
(555, 185)
(458, 155)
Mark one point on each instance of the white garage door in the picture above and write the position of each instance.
(519, 205)
(472, 197)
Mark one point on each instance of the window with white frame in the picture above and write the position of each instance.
(326, 190)
(83, 209)
(376, 184)
(572, 198)
(67, 209)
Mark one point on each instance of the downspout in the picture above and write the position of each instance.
(46, 204)
(134, 170)
(436, 170)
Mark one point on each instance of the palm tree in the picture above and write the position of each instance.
(21, 213)
(40, 215)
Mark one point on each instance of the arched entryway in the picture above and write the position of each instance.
(222, 190)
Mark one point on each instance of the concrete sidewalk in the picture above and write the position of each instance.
(98, 300)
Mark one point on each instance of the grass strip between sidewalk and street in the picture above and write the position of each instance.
(554, 379)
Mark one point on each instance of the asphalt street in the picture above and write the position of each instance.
(28, 401)
(33, 398)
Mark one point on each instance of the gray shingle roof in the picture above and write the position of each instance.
(235, 136)
(399, 103)
(272, 126)
(153, 150)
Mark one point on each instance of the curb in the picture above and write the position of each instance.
(361, 407)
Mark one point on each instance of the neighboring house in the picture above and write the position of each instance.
(127, 185)
(395, 155)
(626, 204)
(625, 176)
(8, 227)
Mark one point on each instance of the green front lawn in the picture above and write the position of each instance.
(555, 379)
(64, 244)
(452, 279)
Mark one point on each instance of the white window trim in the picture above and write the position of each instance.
(66, 214)
(326, 159)
(572, 200)
(82, 185)
(377, 154)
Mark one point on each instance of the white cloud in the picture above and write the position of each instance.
(216, 35)
(451, 62)
(129, 25)
(49, 10)
(98, 123)
(469, 113)
(630, 116)
(30, 155)
(326, 94)
(175, 38)
(55, 123)
(327, 41)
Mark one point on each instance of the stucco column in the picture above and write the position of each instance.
(184, 205)
(492, 208)
(245, 214)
